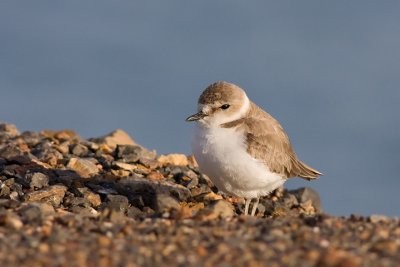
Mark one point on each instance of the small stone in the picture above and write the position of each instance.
(386, 247)
(93, 198)
(155, 176)
(133, 153)
(36, 212)
(15, 154)
(187, 178)
(52, 195)
(9, 182)
(46, 152)
(200, 191)
(11, 220)
(79, 150)
(307, 207)
(174, 159)
(195, 207)
(14, 196)
(17, 188)
(41, 164)
(124, 166)
(43, 247)
(63, 147)
(10, 129)
(276, 209)
(104, 149)
(84, 211)
(4, 190)
(337, 258)
(30, 138)
(112, 215)
(376, 218)
(66, 135)
(120, 173)
(117, 137)
(307, 193)
(133, 212)
(142, 170)
(192, 161)
(117, 202)
(212, 196)
(150, 163)
(37, 180)
(103, 241)
(290, 200)
(84, 167)
(73, 201)
(62, 135)
(165, 203)
(204, 179)
(218, 209)
(91, 145)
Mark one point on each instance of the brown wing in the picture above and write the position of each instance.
(268, 142)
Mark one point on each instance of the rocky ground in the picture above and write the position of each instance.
(108, 201)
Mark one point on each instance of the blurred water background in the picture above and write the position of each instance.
(328, 70)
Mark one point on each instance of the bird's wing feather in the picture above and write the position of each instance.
(268, 143)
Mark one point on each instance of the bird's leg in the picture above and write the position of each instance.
(255, 205)
(246, 206)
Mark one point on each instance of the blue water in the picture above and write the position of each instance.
(329, 71)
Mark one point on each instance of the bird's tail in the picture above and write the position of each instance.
(306, 172)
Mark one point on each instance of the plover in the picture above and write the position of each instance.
(244, 150)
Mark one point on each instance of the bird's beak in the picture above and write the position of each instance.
(195, 117)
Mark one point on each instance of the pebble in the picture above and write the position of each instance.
(117, 137)
(10, 129)
(84, 167)
(37, 180)
(155, 176)
(52, 194)
(117, 202)
(133, 153)
(15, 154)
(165, 202)
(376, 218)
(306, 193)
(36, 212)
(93, 198)
(188, 178)
(174, 159)
(124, 166)
(11, 220)
(218, 209)
(79, 150)
(192, 161)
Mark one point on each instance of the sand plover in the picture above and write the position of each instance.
(244, 150)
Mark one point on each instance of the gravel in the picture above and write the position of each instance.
(107, 201)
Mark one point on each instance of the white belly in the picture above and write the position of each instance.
(222, 155)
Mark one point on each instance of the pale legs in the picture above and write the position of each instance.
(246, 206)
(253, 209)
(255, 205)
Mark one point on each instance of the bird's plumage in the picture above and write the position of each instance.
(242, 148)
(268, 142)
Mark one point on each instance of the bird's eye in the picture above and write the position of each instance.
(225, 106)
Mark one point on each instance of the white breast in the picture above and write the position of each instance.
(222, 155)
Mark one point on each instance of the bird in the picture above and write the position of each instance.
(242, 149)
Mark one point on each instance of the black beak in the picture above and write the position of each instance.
(195, 117)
